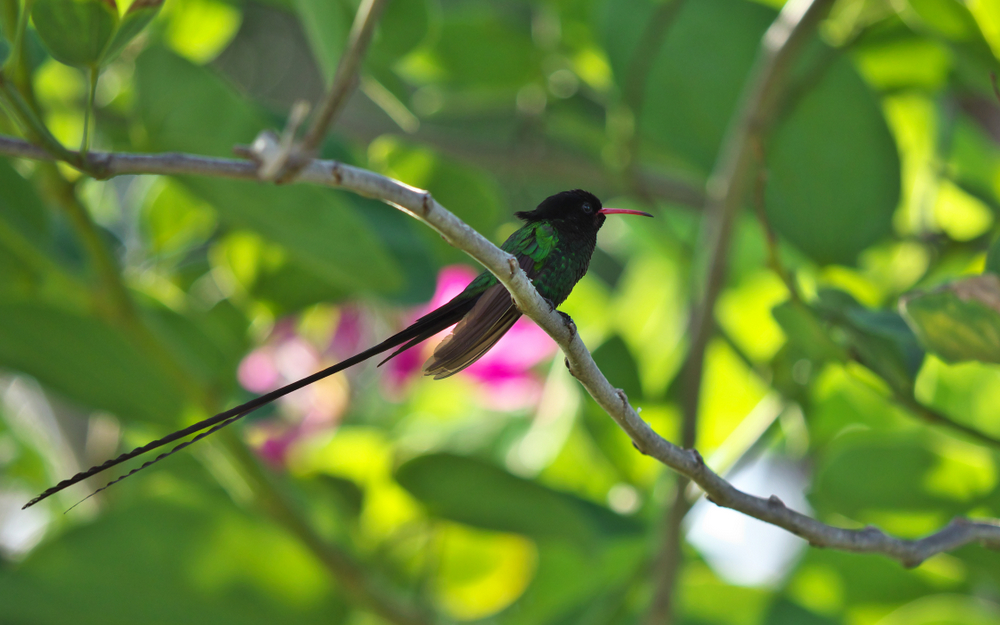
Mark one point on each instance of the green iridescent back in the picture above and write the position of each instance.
(560, 260)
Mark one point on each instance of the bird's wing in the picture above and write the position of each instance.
(475, 334)
(494, 313)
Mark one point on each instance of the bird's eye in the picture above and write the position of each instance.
(586, 208)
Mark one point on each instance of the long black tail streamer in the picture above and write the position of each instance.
(423, 328)
(147, 464)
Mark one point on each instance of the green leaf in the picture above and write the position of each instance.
(476, 493)
(481, 47)
(209, 344)
(614, 358)
(784, 612)
(4, 51)
(326, 25)
(166, 563)
(974, 161)
(467, 191)
(705, 56)
(21, 207)
(568, 584)
(318, 227)
(948, 17)
(858, 579)
(959, 321)
(878, 339)
(402, 26)
(87, 360)
(139, 14)
(807, 333)
(833, 133)
(833, 170)
(75, 32)
(845, 485)
(993, 258)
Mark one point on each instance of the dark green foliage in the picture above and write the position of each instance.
(504, 495)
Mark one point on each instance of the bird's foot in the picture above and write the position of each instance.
(552, 305)
(570, 324)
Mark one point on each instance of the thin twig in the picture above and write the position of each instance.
(421, 205)
(633, 94)
(760, 206)
(726, 191)
(344, 82)
(938, 418)
(93, 73)
(646, 49)
(356, 582)
(29, 120)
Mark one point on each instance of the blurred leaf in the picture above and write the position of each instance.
(844, 483)
(484, 48)
(327, 24)
(870, 581)
(268, 275)
(164, 563)
(905, 61)
(87, 360)
(959, 321)
(846, 397)
(993, 258)
(480, 573)
(968, 392)
(974, 161)
(200, 29)
(173, 220)
(879, 339)
(401, 28)
(479, 494)
(568, 584)
(4, 50)
(962, 215)
(707, 599)
(806, 332)
(20, 206)
(347, 494)
(406, 240)
(705, 55)
(987, 15)
(835, 133)
(207, 344)
(75, 32)
(617, 363)
(945, 609)
(784, 612)
(207, 116)
(467, 191)
(139, 14)
(316, 226)
(948, 17)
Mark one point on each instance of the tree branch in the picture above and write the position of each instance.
(727, 187)
(421, 205)
(289, 162)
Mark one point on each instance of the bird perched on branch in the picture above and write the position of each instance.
(553, 247)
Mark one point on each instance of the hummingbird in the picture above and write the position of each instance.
(553, 247)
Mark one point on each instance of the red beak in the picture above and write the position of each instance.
(622, 211)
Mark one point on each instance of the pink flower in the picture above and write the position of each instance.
(504, 373)
(284, 358)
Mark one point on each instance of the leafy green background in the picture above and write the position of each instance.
(478, 501)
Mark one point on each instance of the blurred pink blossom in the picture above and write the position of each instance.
(504, 373)
(284, 358)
